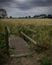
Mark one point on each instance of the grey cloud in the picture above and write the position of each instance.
(5, 0)
(28, 4)
(5, 3)
(34, 3)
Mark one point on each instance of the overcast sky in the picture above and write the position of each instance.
(17, 8)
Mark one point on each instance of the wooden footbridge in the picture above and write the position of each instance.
(17, 46)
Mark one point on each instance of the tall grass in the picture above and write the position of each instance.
(43, 28)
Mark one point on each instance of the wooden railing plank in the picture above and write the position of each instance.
(34, 42)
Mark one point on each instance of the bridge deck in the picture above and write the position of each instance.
(18, 47)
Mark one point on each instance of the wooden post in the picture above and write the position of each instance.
(7, 42)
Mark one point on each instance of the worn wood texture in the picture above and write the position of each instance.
(34, 42)
(18, 47)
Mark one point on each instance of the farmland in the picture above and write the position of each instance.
(27, 21)
(15, 22)
(43, 36)
(42, 26)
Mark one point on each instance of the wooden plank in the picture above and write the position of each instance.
(19, 45)
(34, 42)
(21, 55)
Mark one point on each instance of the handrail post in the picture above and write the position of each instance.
(7, 41)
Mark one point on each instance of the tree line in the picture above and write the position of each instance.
(39, 16)
(3, 14)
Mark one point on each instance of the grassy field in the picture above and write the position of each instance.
(43, 36)
(42, 26)
(27, 21)
(18, 22)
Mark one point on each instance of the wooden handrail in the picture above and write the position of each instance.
(34, 42)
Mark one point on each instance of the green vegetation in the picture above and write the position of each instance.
(3, 55)
(45, 61)
(2, 41)
(43, 35)
(43, 28)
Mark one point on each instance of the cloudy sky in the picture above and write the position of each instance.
(17, 8)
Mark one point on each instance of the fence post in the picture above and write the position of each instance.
(7, 41)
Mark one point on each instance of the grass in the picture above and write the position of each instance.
(15, 22)
(3, 51)
(45, 61)
(28, 21)
(43, 28)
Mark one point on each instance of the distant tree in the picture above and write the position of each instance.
(10, 16)
(29, 16)
(40, 16)
(49, 16)
(0, 17)
(26, 17)
(3, 13)
(34, 16)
